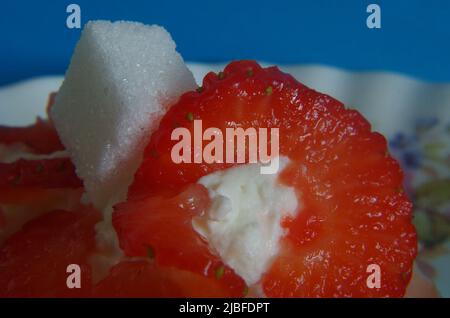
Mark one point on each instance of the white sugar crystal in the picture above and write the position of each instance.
(121, 79)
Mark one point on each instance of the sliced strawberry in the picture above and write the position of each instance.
(35, 196)
(21, 206)
(146, 279)
(353, 211)
(42, 174)
(34, 261)
(41, 137)
(29, 188)
(162, 225)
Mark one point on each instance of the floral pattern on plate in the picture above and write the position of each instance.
(424, 153)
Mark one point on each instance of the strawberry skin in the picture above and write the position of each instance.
(354, 212)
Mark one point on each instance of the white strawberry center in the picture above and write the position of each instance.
(243, 223)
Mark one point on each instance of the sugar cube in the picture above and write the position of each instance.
(121, 79)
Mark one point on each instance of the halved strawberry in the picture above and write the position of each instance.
(41, 137)
(353, 210)
(162, 226)
(42, 174)
(146, 279)
(29, 188)
(23, 205)
(34, 261)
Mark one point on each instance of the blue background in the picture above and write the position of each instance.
(414, 38)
